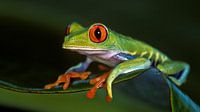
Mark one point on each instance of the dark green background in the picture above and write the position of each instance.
(32, 35)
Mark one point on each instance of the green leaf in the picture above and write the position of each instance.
(76, 86)
(181, 102)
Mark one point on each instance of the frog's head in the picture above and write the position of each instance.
(96, 38)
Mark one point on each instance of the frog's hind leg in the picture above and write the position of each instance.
(176, 70)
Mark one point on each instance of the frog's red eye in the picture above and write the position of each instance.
(67, 30)
(98, 33)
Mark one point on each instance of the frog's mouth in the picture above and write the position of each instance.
(76, 48)
(89, 50)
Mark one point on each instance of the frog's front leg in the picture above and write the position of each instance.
(81, 67)
(130, 66)
(73, 72)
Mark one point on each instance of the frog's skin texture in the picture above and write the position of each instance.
(123, 54)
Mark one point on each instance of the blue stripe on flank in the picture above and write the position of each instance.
(124, 56)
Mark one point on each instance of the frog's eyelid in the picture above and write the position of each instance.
(73, 27)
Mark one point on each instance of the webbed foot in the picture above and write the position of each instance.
(98, 82)
(65, 78)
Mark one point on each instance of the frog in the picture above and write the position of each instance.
(120, 55)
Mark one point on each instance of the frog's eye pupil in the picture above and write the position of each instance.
(98, 33)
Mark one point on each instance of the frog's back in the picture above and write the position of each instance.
(140, 49)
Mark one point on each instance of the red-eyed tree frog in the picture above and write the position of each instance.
(123, 54)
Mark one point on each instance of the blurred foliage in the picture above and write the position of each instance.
(32, 35)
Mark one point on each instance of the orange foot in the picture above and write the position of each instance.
(98, 82)
(65, 78)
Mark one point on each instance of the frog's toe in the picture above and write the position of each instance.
(50, 86)
(108, 98)
(91, 93)
(61, 79)
(84, 75)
